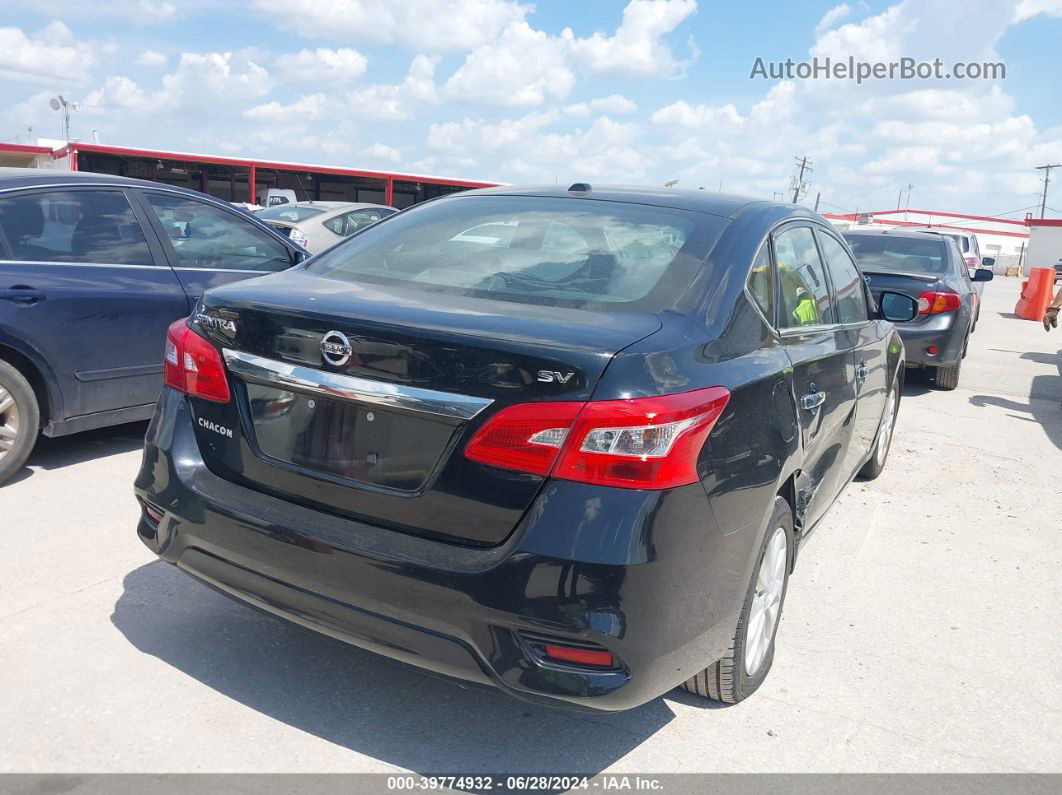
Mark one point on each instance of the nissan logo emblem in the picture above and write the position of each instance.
(335, 348)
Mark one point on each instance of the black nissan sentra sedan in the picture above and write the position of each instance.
(562, 442)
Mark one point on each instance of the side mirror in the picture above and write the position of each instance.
(299, 255)
(983, 275)
(988, 262)
(897, 307)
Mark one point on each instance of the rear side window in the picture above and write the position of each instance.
(897, 254)
(847, 281)
(349, 223)
(205, 237)
(90, 226)
(804, 290)
(533, 250)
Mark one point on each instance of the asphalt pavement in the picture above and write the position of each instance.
(921, 630)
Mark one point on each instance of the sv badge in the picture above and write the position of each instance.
(552, 376)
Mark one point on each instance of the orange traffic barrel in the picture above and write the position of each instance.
(1036, 294)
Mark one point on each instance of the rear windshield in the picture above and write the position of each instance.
(899, 254)
(961, 241)
(533, 250)
(286, 212)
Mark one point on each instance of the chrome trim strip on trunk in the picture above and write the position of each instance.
(446, 406)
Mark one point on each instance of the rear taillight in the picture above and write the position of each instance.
(641, 443)
(971, 262)
(932, 303)
(193, 365)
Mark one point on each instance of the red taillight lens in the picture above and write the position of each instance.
(525, 437)
(971, 262)
(602, 659)
(931, 303)
(193, 365)
(641, 443)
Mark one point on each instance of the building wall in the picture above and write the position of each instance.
(1045, 247)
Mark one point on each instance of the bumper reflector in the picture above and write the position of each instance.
(601, 659)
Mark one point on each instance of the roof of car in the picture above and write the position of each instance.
(12, 177)
(722, 204)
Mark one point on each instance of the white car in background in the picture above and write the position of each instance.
(319, 225)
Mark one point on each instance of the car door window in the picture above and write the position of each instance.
(761, 282)
(204, 236)
(847, 281)
(804, 291)
(89, 226)
(349, 223)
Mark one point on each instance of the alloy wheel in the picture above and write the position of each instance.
(888, 422)
(9, 422)
(766, 601)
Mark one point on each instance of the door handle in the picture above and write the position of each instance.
(21, 295)
(812, 400)
(862, 371)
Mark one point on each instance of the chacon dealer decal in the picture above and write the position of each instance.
(212, 426)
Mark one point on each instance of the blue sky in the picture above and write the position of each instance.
(518, 92)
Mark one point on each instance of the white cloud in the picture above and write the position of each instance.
(50, 55)
(305, 108)
(398, 101)
(530, 151)
(614, 103)
(682, 114)
(1030, 8)
(383, 152)
(323, 65)
(579, 110)
(153, 12)
(832, 17)
(637, 46)
(151, 58)
(203, 77)
(523, 67)
(427, 25)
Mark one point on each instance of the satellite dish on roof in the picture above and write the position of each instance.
(54, 103)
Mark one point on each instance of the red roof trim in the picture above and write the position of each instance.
(885, 221)
(25, 149)
(1043, 221)
(123, 151)
(852, 217)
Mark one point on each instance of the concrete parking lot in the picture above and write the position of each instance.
(921, 631)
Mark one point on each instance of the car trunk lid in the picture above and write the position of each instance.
(359, 399)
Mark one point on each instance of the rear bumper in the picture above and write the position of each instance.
(947, 331)
(649, 577)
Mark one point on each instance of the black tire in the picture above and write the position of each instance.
(947, 378)
(16, 401)
(727, 680)
(875, 465)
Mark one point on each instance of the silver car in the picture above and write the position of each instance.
(319, 225)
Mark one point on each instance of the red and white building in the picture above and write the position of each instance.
(237, 179)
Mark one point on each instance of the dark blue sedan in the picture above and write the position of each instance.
(93, 268)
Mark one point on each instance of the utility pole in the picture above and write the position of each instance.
(1047, 181)
(899, 200)
(817, 197)
(798, 184)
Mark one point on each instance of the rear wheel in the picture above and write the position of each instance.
(19, 420)
(883, 439)
(947, 377)
(748, 660)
